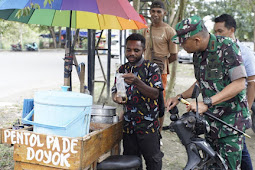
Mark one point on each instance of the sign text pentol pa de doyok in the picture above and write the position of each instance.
(47, 149)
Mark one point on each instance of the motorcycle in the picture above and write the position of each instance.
(188, 128)
(16, 47)
(32, 47)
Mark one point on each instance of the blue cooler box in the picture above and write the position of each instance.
(62, 113)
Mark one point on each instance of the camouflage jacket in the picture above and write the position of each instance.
(215, 68)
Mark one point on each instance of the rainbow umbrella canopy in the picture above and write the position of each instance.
(87, 14)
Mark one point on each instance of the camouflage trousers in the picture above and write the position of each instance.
(230, 149)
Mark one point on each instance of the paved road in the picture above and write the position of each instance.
(26, 72)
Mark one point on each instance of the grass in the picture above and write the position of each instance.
(6, 157)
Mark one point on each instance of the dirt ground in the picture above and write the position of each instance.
(174, 153)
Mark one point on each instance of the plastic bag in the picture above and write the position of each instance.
(120, 85)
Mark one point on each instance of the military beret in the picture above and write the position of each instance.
(187, 28)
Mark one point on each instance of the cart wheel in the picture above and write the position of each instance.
(253, 117)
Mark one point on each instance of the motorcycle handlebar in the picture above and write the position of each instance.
(215, 118)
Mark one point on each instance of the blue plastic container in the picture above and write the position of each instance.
(62, 113)
(28, 105)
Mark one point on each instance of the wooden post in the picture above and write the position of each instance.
(82, 77)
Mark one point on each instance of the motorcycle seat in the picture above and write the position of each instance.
(127, 162)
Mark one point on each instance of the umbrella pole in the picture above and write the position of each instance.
(68, 57)
(80, 70)
(120, 36)
(76, 37)
(68, 61)
(91, 60)
(109, 62)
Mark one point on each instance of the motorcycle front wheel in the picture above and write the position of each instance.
(219, 164)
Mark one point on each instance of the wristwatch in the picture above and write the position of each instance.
(208, 101)
(179, 97)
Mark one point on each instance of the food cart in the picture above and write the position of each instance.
(41, 151)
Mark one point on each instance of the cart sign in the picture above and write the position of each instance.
(42, 149)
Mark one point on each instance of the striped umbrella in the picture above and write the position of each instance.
(88, 14)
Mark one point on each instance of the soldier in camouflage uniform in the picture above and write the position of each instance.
(221, 76)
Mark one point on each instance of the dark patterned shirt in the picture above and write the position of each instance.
(141, 112)
(215, 68)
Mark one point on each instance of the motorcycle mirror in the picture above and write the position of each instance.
(195, 92)
(174, 110)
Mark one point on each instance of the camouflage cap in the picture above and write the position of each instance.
(187, 28)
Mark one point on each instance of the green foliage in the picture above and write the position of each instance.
(4, 26)
(23, 12)
(14, 32)
(26, 11)
(35, 6)
(48, 2)
(41, 44)
(241, 10)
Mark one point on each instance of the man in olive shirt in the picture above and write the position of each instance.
(158, 38)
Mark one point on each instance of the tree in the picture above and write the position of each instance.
(53, 35)
(252, 5)
(26, 11)
(14, 32)
(242, 11)
(174, 16)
